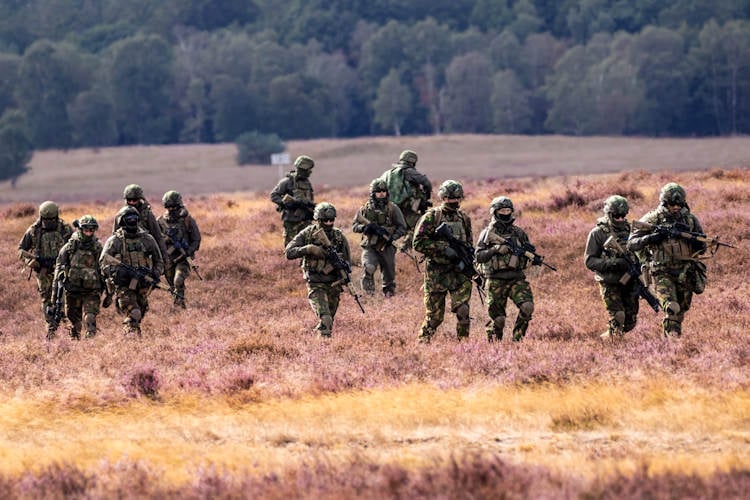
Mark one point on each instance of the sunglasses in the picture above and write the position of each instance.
(327, 220)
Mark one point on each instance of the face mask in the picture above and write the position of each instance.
(48, 224)
(453, 205)
(302, 174)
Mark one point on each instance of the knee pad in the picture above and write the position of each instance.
(90, 319)
(619, 317)
(462, 312)
(135, 314)
(526, 309)
(179, 280)
(672, 308)
(370, 268)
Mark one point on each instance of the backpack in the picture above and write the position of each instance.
(398, 189)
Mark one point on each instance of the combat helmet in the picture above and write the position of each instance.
(324, 210)
(408, 157)
(672, 194)
(88, 222)
(49, 210)
(172, 199)
(616, 206)
(128, 218)
(451, 189)
(378, 185)
(132, 192)
(500, 202)
(304, 162)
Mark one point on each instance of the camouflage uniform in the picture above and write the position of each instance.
(183, 239)
(324, 285)
(672, 260)
(609, 267)
(420, 186)
(377, 250)
(146, 220)
(44, 239)
(296, 211)
(503, 271)
(442, 274)
(132, 246)
(78, 266)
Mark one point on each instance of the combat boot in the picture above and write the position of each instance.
(74, 334)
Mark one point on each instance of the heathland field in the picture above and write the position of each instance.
(236, 397)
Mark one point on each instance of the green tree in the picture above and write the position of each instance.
(234, 108)
(383, 51)
(298, 107)
(393, 103)
(141, 80)
(465, 98)
(510, 104)
(93, 121)
(341, 84)
(16, 149)
(9, 64)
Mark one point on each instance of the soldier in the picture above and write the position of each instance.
(502, 257)
(609, 265)
(133, 195)
(38, 249)
(132, 262)
(380, 222)
(183, 238)
(293, 196)
(671, 259)
(324, 284)
(78, 269)
(415, 190)
(443, 272)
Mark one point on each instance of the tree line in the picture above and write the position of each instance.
(83, 73)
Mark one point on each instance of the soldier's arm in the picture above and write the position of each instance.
(358, 224)
(293, 249)
(194, 236)
(424, 237)
(399, 223)
(25, 244)
(155, 231)
(485, 250)
(278, 193)
(697, 246)
(157, 261)
(345, 253)
(414, 176)
(592, 255)
(111, 248)
(63, 261)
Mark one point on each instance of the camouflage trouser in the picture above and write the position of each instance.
(44, 280)
(291, 229)
(621, 302)
(176, 276)
(498, 293)
(82, 306)
(133, 304)
(411, 219)
(386, 261)
(675, 299)
(436, 286)
(324, 300)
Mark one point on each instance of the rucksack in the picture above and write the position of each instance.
(398, 189)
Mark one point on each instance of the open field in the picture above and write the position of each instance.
(236, 397)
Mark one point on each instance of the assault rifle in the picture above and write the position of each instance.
(291, 203)
(139, 274)
(180, 251)
(681, 230)
(56, 311)
(338, 263)
(465, 253)
(526, 249)
(44, 262)
(633, 272)
(373, 229)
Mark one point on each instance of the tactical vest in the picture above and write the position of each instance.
(457, 222)
(47, 244)
(83, 271)
(508, 261)
(621, 235)
(133, 251)
(315, 265)
(672, 253)
(301, 189)
(144, 212)
(382, 217)
(176, 234)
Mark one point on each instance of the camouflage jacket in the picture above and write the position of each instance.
(317, 270)
(433, 248)
(79, 262)
(138, 250)
(420, 185)
(150, 225)
(45, 244)
(301, 190)
(181, 235)
(388, 217)
(502, 265)
(670, 254)
(599, 259)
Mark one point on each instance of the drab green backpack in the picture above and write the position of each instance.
(398, 189)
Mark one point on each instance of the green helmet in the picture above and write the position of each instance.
(672, 194)
(616, 206)
(88, 222)
(451, 189)
(49, 210)
(324, 210)
(408, 156)
(378, 185)
(172, 199)
(128, 217)
(304, 162)
(132, 192)
(500, 202)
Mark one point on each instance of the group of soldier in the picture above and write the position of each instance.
(73, 269)
(666, 248)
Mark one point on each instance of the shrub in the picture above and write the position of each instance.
(254, 147)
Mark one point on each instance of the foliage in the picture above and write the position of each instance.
(16, 149)
(254, 147)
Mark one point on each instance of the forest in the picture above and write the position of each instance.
(85, 73)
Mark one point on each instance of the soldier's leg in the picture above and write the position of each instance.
(388, 270)
(666, 292)
(685, 299)
(497, 297)
(44, 287)
(460, 298)
(631, 302)
(90, 312)
(434, 305)
(411, 219)
(334, 298)
(181, 273)
(369, 266)
(73, 310)
(292, 228)
(317, 295)
(520, 294)
(612, 296)
(128, 304)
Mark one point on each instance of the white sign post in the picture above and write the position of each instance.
(280, 159)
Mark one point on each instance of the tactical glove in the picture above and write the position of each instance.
(616, 264)
(34, 264)
(450, 254)
(501, 249)
(537, 260)
(313, 251)
(107, 301)
(655, 238)
(370, 228)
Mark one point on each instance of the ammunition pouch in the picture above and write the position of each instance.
(697, 277)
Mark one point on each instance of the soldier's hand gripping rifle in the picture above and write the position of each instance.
(465, 252)
(42, 262)
(139, 274)
(524, 250)
(180, 251)
(633, 272)
(56, 311)
(291, 203)
(681, 230)
(345, 271)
